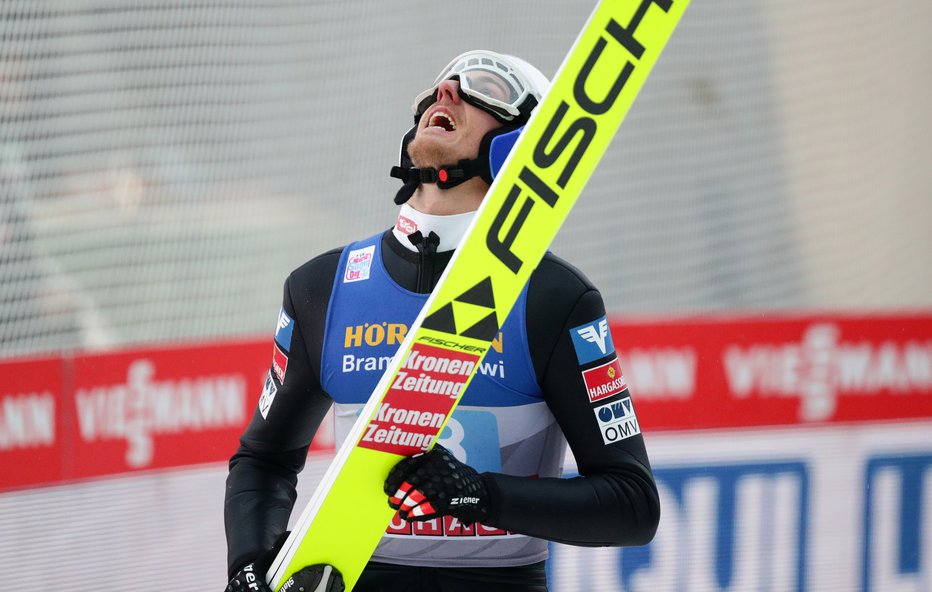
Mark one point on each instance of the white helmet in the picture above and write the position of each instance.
(504, 86)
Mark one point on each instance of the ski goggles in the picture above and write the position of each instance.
(487, 80)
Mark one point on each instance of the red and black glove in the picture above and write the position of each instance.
(434, 483)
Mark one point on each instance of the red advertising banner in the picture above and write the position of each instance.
(30, 422)
(709, 373)
(160, 408)
(68, 418)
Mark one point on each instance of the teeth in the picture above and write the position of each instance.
(435, 123)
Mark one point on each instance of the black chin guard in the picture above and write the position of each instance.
(446, 176)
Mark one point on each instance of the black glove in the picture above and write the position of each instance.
(435, 483)
(313, 578)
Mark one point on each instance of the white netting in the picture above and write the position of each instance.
(164, 165)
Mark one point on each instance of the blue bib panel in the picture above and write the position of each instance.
(369, 317)
(501, 424)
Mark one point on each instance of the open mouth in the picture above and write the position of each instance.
(442, 120)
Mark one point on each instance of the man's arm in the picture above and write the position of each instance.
(260, 488)
(615, 500)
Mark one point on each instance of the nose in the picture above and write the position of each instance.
(449, 89)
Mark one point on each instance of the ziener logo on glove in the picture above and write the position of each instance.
(460, 501)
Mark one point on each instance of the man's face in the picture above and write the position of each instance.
(450, 130)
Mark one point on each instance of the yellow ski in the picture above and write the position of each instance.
(540, 181)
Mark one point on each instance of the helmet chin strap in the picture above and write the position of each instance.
(446, 176)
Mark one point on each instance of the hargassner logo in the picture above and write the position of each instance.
(592, 341)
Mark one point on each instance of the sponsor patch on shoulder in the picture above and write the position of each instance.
(592, 340)
(604, 381)
(358, 264)
(283, 330)
(617, 420)
(268, 395)
(279, 362)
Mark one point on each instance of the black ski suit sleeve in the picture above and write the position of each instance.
(261, 485)
(614, 502)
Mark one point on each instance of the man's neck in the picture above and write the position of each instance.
(450, 229)
(465, 197)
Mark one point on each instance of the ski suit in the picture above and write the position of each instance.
(551, 378)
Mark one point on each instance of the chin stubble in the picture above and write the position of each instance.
(427, 154)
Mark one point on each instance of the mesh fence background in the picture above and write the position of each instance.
(164, 165)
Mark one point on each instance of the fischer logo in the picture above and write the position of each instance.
(393, 334)
(582, 120)
(822, 367)
(27, 421)
(406, 225)
(142, 408)
(376, 334)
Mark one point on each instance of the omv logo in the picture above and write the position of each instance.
(897, 545)
(723, 528)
